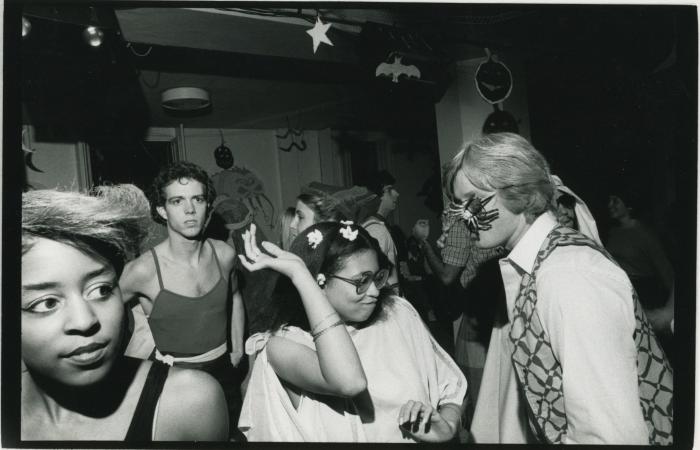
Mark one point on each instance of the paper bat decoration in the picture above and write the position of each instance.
(396, 69)
(294, 133)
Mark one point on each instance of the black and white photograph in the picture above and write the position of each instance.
(241, 223)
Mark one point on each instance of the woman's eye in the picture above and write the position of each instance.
(101, 292)
(44, 305)
(365, 279)
(199, 199)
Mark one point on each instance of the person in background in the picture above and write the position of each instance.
(382, 184)
(565, 212)
(319, 202)
(577, 361)
(640, 254)
(417, 281)
(286, 232)
(572, 211)
(76, 383)
(187, 286)
(342, 359)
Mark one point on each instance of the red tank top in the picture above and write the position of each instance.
(188, 326)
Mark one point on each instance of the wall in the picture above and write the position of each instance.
(296, 166)
(254, 152)
(281, 174)
(61, 164)
(284, 173)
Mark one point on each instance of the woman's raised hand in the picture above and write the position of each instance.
(276, 259)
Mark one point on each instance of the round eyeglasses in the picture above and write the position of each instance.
(366, 278)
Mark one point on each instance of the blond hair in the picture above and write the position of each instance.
(508, 164)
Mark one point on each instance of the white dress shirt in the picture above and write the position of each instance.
(586, 308)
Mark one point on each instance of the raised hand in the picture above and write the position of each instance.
(273, 258)
(425, 423)
(442, 240)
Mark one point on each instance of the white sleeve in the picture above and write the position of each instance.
(587, 311)
(380, 232)
(443, 371)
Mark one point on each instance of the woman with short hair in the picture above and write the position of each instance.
(76, 383)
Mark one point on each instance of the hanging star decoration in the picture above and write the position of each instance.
(318, 33)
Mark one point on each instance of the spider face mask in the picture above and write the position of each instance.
(474, 213)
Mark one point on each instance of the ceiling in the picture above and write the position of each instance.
(261, 72)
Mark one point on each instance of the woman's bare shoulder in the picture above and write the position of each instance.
(192, 407)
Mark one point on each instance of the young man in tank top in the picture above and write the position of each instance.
(187, 286)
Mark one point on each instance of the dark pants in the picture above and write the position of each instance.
(229, 378)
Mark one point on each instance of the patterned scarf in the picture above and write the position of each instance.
(540, 373)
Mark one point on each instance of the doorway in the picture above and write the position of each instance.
(137, 163)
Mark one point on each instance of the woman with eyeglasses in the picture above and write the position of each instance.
(342, 359)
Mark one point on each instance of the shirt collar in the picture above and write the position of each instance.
(525, 251)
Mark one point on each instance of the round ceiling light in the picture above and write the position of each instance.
(185, 99)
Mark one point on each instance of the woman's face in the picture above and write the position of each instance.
(566, 216)
(616, 208)
(304, 217)
(72, 313)
(390, 198)
(351, 306)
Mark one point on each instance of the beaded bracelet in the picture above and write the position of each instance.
(317, 334)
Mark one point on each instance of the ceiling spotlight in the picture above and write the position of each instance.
(93, 36)
(26, 27)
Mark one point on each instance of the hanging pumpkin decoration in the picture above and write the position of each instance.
(223, 154)
(493, 80)
(494, 83)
